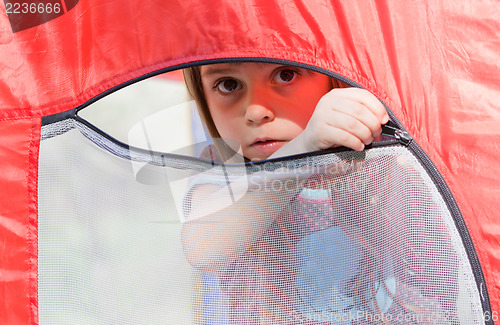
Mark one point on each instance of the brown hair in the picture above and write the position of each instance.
(192, 78)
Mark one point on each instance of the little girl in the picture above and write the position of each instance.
(267, 267)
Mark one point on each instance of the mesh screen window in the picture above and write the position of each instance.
(136, 237)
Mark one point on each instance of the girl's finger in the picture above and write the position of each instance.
(365, 98)
(351, 125)
(358, 112)
(338, 137)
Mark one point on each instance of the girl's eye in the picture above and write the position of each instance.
(228, 86)
(285, 75)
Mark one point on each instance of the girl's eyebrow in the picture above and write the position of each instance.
(214, 69)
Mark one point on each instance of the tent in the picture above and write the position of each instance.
(434, 65)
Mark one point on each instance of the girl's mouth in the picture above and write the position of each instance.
(268, 146)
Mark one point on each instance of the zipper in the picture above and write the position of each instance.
(402, 136)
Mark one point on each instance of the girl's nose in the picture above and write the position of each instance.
(258, 110)
(258, 114)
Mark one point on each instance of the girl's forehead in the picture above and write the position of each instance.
(221, 68)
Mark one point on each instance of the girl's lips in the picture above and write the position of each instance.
(269, 146)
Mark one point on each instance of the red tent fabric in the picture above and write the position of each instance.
(436, 66)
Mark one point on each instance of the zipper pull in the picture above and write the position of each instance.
(392, 129)
(403, 137)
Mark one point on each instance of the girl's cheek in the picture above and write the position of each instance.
(224, 103)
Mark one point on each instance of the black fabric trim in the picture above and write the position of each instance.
(46, 120)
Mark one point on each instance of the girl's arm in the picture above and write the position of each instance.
(211, 241)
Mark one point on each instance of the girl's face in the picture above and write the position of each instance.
(260, 105)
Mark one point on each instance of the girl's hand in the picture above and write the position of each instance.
(349, 117)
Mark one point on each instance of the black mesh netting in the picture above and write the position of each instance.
(131, 237)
